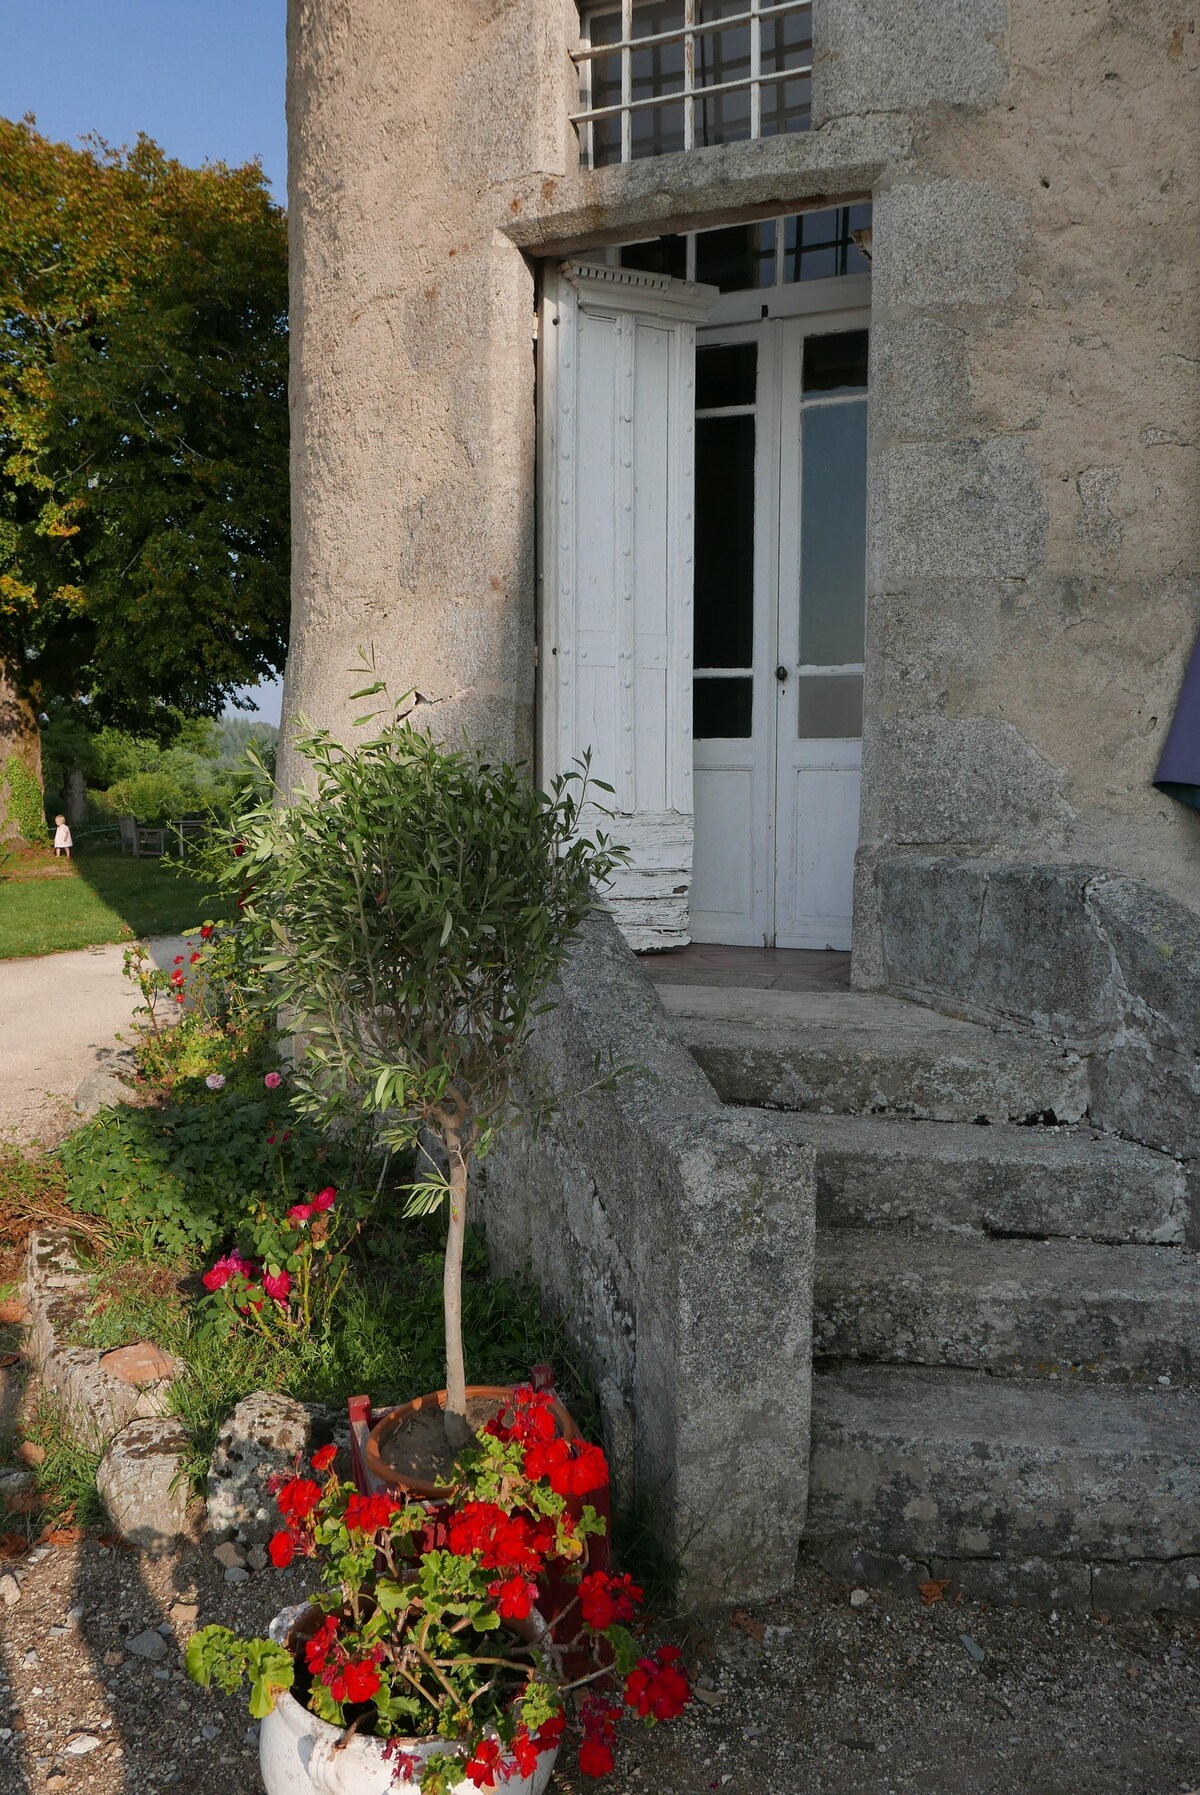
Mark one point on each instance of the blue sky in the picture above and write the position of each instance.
(205, 78)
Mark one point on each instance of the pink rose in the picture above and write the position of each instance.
(273, 1080)
(233, 1264)
(325, 1199)
(277, 1286)
(300, 1213)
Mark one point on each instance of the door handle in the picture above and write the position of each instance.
(781, 674)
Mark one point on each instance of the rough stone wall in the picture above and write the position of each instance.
(1035, 566)
(1105, 964)
(676, 1238)
(412, 342)
(1036, 543)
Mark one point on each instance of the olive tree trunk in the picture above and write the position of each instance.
(458, 1431)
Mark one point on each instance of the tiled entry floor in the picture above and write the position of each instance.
(753, 968)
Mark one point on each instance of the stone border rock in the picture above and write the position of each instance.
(116, 1403)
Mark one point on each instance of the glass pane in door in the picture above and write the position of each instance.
(724, 564)
(833, 534)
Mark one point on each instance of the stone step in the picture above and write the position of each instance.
(962, 1466)
(874, 1171)
(857, 1053)
(921, 1299)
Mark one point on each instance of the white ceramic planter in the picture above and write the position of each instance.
(298, 1754)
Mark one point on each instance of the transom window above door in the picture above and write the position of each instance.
(659, 76)
(768, 252)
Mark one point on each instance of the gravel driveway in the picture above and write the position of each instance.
(809, 1696)
(59, 1015)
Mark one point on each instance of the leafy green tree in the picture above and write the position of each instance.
(414, 903)
(143, 434)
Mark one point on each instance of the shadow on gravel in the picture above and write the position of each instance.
(13, 1774)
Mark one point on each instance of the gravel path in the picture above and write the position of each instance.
(810, 1696)
(58, 1018)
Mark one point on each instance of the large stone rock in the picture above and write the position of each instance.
(929, 51)
(263, 1438)
(1106, 965)
(141, 1364)
(143, 1485)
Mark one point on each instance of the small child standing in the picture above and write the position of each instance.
(62, 838)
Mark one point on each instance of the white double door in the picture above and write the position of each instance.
(779, 595)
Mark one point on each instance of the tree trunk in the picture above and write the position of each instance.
(19, 735)
(458, 1431)
(76, 798)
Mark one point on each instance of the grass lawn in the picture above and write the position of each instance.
(47, 905)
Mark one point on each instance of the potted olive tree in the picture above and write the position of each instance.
(415, 902)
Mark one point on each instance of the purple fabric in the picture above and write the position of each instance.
(1179, 768)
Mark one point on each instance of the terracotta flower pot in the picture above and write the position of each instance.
(298, 1754)
(389, 1424)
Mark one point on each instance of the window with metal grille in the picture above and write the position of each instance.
(657, 76)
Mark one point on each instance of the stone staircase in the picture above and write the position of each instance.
(1006, 1339)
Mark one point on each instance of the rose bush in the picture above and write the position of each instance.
(428, 1625)
(297, 1260)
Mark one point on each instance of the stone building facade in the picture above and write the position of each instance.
(799, 409)
(1034, 382)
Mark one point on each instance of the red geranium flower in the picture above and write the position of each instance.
(656, 1688)
(282, 1550)
(362, 1680)
(501, 1542)
(323, 1458)
(206, 931)
(298, 1497)
(528, 1416)
(513, 1597)
(604, 1599)
(318, 1648)
(367, 1514)
(550, 1732)
(571, 1470)
(483, 1766)
(595, 1758)
(524, 1751)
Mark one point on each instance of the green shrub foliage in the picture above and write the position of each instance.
(415, 902)
(25, 800)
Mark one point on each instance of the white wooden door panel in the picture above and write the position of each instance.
(727, 872)
(815, 878)
(617, 366)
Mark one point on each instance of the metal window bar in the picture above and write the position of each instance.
(687, 34)
(626, 82)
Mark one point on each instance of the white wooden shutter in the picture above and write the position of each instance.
(617, 401)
